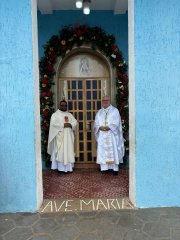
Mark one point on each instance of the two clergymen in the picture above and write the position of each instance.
(108, 134)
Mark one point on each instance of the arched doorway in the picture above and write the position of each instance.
(58, 49)
(82, 79)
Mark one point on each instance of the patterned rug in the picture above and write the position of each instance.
(85, 183)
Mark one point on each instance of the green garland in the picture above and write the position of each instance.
(58, 46)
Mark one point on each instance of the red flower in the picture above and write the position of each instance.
(46, 94)
(45, 112)
(43, 94)
(45, 123)
(113, 47)
(122, 94)
(45, 81)
(78, 32)
(44, 128)
(123, 104)
(53, 56)
(125, 78)
(49, 94)
(118, 74)
(50, 68)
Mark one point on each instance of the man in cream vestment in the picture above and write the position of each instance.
(61, 139)
(109, 137)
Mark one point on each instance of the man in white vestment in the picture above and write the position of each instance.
(109, 137)
(61, 139)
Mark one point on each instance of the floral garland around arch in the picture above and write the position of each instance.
(58, 46)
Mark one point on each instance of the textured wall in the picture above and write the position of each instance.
(49, 25)
(157, 102)
(17, 115)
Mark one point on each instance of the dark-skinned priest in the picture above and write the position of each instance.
(61, 139)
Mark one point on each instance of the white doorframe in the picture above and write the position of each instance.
(132, 178)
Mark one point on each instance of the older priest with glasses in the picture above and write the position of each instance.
(61, 139)
(109, 137)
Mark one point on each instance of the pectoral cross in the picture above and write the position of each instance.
(106, 122)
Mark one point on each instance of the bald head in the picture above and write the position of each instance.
(106, 101)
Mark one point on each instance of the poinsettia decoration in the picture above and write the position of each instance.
(58, 46)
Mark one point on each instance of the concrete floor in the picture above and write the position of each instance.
(131, 224)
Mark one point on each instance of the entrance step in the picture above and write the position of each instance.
(86, 165)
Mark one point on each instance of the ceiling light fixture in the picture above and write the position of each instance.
(85, 4)
(86, 7)
(79, 3)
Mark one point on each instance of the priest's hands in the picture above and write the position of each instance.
(104, 129)
(67, 125)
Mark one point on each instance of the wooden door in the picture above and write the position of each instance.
(84, 100)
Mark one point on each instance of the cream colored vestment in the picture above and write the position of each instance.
(61, 140)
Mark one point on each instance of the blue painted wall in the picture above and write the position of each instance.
(17, 140)
(157, 103)
(157, 87)
(117, 25)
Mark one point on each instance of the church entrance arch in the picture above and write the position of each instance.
(57, 50)
(83, 78)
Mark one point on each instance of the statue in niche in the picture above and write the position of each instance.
(84, 68)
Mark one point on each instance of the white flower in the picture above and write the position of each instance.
(113, 55)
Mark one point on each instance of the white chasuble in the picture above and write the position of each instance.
(110, 144)
(61, 141)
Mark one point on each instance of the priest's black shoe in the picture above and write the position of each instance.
(115, 173)
(101, 171)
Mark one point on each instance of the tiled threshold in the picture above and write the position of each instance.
(85, 184)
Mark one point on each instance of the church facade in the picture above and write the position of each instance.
(148, 36)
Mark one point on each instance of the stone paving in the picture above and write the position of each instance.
(131, 224)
